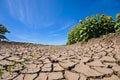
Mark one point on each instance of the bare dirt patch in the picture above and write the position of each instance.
(97, 59)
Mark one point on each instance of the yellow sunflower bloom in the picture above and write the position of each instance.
(108, 17)
(81, 21)
(97, 15)
(87, 18)
(92, 18)
(118, 16)
(102, 16)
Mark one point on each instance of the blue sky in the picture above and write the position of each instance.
(48, 21)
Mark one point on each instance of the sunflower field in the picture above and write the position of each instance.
(93, 27)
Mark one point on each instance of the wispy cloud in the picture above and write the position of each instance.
(57, 32)
(66, 26)
(16, 9)
(26, 38)
(54, 35)
(28, 13)
(45, 22)
(23, 37)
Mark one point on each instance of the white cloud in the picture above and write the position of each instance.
(66, 26)
(26, 38)
(28, 13)
(63, 28)
(16, 9)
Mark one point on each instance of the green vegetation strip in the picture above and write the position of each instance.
(93, 27)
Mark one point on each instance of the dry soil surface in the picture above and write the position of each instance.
(97, 59)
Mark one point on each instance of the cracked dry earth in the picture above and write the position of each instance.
(97, 59)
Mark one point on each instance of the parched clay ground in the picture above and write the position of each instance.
(97, 59)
